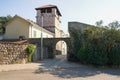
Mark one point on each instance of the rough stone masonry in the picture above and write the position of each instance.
(12, 53)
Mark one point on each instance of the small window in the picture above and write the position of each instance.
(34, 34)
(42, 10)
(49, 10)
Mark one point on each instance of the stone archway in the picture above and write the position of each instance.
(50, 43)
(66, 40)
(60, 48)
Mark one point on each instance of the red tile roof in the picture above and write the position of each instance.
(49, 6)
(14, 41)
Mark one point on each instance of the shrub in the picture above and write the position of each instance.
(30, 51)
(82, 55)
(100, 47)
(97, 45)
(114, 56)
(92, 56)
(97, 58)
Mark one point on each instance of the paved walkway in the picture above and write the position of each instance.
(57, 69)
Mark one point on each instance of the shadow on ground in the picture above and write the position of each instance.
(65, 69)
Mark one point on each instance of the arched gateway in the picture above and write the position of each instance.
(49, 46)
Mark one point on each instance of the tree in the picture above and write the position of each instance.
(101, 44)
(114, 25)
(3, 21)
(99, 23)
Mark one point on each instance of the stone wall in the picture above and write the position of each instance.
(13, 53)
(49, 45)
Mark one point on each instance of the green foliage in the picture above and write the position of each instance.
(99, 23)
(114, 25)
(76, 43)
(1, 30)
(30, 48)
(83, 55)
(98, 45)
(96, 57)
(30, 51)
(3, 21)
(114, 56)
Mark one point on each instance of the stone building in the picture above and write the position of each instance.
(48, 16)
(47, 24)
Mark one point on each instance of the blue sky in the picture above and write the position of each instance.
(86, 11)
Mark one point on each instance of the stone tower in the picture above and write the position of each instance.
(50, 15)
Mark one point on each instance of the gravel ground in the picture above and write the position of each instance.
(60, 69)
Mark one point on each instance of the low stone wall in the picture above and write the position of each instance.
(13, 53)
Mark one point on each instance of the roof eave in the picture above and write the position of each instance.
(39, 8)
